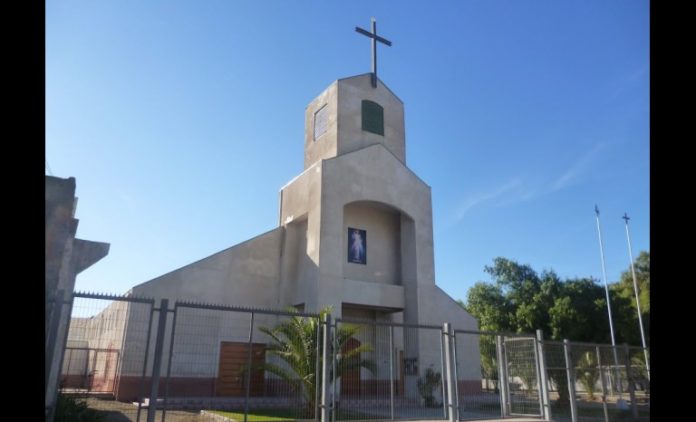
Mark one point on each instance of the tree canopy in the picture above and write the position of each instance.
(522, 300)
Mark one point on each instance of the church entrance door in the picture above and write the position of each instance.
(232, 370)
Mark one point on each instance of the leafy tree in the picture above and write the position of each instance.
(490, 307)
(579, 312)
(294, 341)
(522, 300)
(623, 292)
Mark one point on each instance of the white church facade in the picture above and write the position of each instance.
(355, 233)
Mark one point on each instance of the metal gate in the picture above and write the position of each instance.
(497, 375)
(522, 371)
(106, 351)
(382, 370)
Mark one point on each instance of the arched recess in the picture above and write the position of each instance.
(389, 242)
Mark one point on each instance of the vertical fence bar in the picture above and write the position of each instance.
(325, 369)
(447, 329)
(501, 388)
(443, 340)
(169, 363)
(147, 350)
(503, 379)
(248, 369)
(543, 380)
(455, 370)
(570, 372)
(604, 384)
(159, 343)
(318, 381)
(538, 375)
(67, 371)
(334, 349)
(631, 385)
(391, 370)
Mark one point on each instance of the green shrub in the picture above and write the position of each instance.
(69, 409)
(427, 385)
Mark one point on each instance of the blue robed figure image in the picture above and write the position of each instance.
(357, 246)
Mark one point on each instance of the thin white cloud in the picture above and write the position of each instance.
(576, 169)
(477, 199)
(629, 81)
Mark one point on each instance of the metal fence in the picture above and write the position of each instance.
(384, 370)
(106, 351)
(138, 359)
(597, 382)
(504, 380)
(237, 360)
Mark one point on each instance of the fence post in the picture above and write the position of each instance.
(502, 377)
(543, 381)
(570, 373)
(604, 384)
(631, 384)
(325, 408)
(248, 370)
(318, 381)
(159, 343)
(447, 331)
(49, 355)
(391, 370)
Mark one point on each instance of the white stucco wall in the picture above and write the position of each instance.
(383, 243)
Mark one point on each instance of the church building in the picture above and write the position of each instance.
(355, 231)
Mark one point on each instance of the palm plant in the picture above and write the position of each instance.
(587, 373)
(294, 341)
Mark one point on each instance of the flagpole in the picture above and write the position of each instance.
(635, 290)
(606, 289)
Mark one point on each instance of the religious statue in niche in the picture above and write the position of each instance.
(357, 246)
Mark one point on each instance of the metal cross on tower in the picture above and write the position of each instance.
(373, 35)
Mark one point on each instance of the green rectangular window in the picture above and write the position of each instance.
(372, 117)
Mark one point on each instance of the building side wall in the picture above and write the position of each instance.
(246, 273)
(435, 307)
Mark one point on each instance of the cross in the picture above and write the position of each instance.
(375, 38)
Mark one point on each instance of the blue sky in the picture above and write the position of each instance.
(181, 120)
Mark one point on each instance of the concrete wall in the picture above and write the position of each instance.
(383, 227)
(436, 307)
(246, 273)
(66, 257)
(300, 199)
(373, 174)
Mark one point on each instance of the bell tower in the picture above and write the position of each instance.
(350, 115)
